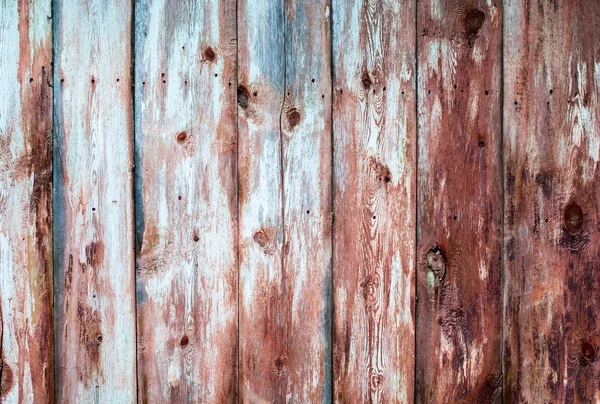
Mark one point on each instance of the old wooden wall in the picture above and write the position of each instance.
(304, 201)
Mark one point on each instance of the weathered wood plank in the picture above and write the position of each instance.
(374, 176)
(26, 327)
(93, 204)
(459, 214)
(186, 200)
(284, 98)
(552, 210)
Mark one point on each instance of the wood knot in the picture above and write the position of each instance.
(280, 366)
(293, 117)
(209, 54)
(436, 262)
(181, 137)
(474, 21)
(366, 80)
(376, 380)
(573, 218)
(185, 340)
(6, 378)
(264, 239)
(588, 351)
(369, 288)
(540, 178)
(243, 97)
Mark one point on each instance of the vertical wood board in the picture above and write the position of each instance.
(284, 99)
(186, 200)
(552, 209)
(93, 204)
(374, 132)
(26, 327)
(459, 207)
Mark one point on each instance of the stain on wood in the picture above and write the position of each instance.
(374, 131)
(459, 208)
(186, 200)
(551, 152)
(26, 303)
(93, 204)
(284, 98)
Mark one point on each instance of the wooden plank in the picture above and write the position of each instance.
(374, 176)
(284, 99)
(93, 203)
(26, 327)
(186, 200)
(552, 211)
(459, 214)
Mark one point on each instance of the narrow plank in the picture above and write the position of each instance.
(459, 214)
(284, 124)
(552, 210)
(374, 175)
(186, 200)
(26, 327)
(93, 203)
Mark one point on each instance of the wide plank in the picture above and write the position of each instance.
(374, 130)
(459, 204)
(552, 209)
(186, 200)
(26, 326)
(284, 99)
(93, 202)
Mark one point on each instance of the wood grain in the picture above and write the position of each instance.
(186, 200)
(552, 210)
(284, 99)
(459, 215)
(374, 130)
(26, 327)
(93, 204)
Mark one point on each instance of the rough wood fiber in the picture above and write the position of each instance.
(374, 177)
(26, 336)
(284, 99)
(186, 200)
(552, 210)
(93, 232)
(459, 215)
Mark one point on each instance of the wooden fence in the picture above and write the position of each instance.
(303, 201)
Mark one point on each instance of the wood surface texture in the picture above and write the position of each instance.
(459, 287)
(93, 202)
(186, 200)
(374, 130)
(552, 209)
(299, 201)
(284, 129)
(26, 336)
